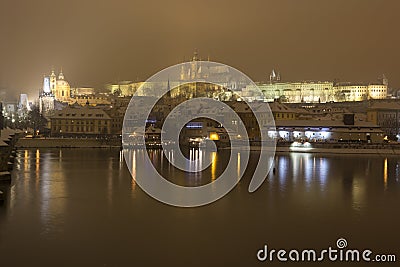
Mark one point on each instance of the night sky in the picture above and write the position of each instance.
(96, 42)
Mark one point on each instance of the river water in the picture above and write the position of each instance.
(80, 207)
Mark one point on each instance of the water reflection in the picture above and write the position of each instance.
(88, 197)
(322, 176)
(347, 177)
(214, 160)
(197, 157)
(302, 169)
(385, 172)
(52, 186)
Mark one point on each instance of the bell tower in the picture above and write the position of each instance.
(53, 82)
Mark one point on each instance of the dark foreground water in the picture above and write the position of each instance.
(81, 208)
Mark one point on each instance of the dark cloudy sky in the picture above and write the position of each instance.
(102, 41)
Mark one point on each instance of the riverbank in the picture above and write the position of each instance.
(8, 139)
(381, 151)
(67, 143)
(328, 148)
(340, 148)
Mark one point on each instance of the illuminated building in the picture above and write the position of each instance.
(296, 92)
(326, 131)
(387, 115)
(92, 100)
(123, 88)
(46, 97)
(320, 91)
(57, 86)
(351, 92)
(377, 91)
(83, 120)
(274, 77)
(53, 89)
(9, 110)
(62, 91)
(23, 102)
(79, 91)
(193, 70)
(360, 92)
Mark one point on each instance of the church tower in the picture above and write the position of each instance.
(274, 77)
(46, 97)
(53, 82)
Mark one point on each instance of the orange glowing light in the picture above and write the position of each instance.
(214, 136)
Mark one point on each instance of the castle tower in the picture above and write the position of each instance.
(272, 76)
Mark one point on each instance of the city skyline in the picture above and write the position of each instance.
(146, 133)
(110, 86)
(349, 41)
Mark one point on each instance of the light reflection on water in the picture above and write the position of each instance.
(87, 198)
(385, 172)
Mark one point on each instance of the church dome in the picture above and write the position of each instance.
(62, 83)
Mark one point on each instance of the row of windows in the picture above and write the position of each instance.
(82, 115)
(285, 115)
(83, 129)
(388, 115)
(80, 122)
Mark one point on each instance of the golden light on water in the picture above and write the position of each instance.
(385, 172)
(238, 165)
(213, 166)
(133, 182)
(37, 159)
(26, 160)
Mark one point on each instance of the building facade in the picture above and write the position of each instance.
(80, 120)
(326, 131)
(321, 91)
(387, 116)
(57, 86)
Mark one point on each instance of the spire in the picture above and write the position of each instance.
(385, 81)
(61, 75)
(195, 55)
(168, 89)
(274, 77)
(52, 72)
